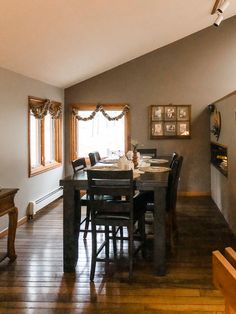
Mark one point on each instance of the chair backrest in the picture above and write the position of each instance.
(173, 181)
(148, 151)
(78, 164)
(94, 157)
(117, 184)
(174, 156)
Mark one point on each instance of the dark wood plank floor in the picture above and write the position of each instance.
(35, 282)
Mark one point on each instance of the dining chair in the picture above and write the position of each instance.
(148, 151)
(78, 165)
(123, 209)
(94, 157)
(171, 199)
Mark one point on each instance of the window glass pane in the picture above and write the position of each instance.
(100, 134)
(35, 141)
(49, 138)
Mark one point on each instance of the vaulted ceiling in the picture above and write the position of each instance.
(62, 42)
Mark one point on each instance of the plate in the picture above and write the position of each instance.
(108, 161)
(159, 161)
(156, 169)
(146, 157)
(104, 168)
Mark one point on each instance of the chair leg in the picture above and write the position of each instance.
(107, 241)
(87, 222)
(114, 240)
(94, 252)
(141, 227)
(130, 233)
(121, 233)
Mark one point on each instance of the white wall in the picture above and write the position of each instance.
(14, 92)
(224, 188)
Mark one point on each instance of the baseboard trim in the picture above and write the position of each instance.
(196, 193)
(20, 222)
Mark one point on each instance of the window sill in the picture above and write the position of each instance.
(35, 171)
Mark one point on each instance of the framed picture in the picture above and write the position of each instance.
(157, 113)
(170, 121)
(170, 128)
(157, 129)
(183, 113)
(170, 113)
(183, 128)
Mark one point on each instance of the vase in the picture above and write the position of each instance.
(135, 158)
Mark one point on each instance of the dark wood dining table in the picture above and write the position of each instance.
(72, 185)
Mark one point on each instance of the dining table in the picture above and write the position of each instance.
(143, 181)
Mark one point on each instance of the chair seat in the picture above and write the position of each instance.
(116, 216)
(85, 198)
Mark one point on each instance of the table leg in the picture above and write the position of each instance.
(13, 214)
(159, 231)
(71, 227)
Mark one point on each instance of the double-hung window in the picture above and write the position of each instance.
(45, 137)
(103, 128)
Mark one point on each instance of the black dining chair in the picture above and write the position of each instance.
(78, 165)
(123, 209)
(148, 151)
(94, 157)
(171, 199)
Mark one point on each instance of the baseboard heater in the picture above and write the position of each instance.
(35, 206)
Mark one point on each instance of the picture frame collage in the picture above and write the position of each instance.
(170, 121)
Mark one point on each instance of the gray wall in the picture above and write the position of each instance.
(195, 70)
(224, 188)
(14, 92)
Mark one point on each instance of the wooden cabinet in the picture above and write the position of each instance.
(7, 206)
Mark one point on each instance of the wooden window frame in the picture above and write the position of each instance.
(43, 167)
(84, 107)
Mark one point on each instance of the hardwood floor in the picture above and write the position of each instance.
(35, 282)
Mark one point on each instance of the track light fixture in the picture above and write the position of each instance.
(219, 8)
(218, 20)
(223, 7)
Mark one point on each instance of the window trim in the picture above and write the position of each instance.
(43, 167)
(84, 107)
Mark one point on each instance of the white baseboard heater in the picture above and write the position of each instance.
(43, 201)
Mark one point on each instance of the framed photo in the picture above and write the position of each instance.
(170, 121)
(157, 129)
(183, 128)
(170, 113)
(183, 113)
(157, 113)
(170, 128)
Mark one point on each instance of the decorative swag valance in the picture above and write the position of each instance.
(102, 110)
(41, 107)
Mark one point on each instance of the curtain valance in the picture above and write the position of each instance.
(100, 108)
(41, 107)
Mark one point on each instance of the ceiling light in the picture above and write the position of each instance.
(218, 20)
(223, 6)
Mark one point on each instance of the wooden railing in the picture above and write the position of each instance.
(224, 277)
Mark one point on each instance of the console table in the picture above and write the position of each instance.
(7, 206)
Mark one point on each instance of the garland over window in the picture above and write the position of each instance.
(41, 107)
(101, 109)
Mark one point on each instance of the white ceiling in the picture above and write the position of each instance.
(63, 42)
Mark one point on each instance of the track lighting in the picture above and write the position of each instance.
(219, 8)
(223, 7)
(218, 20)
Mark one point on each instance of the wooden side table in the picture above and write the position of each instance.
(7, 206)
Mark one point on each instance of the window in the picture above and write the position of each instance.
(45, 143)
(103, 128)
